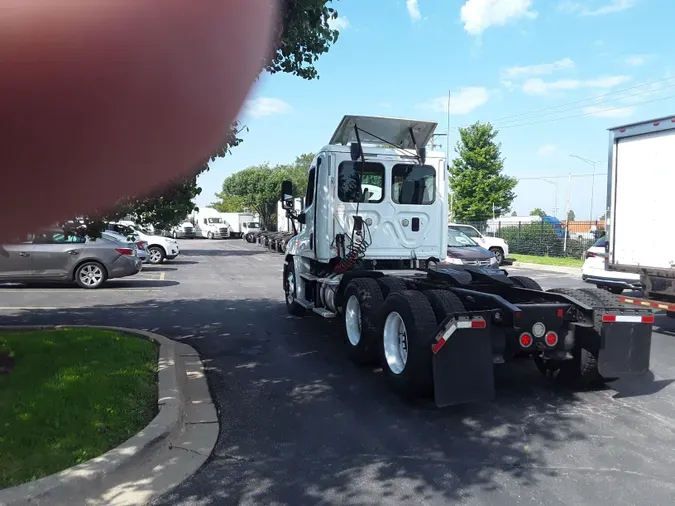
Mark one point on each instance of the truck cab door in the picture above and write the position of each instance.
(307, 237)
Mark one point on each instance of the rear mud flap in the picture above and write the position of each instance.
(625, 349)
(463, 363)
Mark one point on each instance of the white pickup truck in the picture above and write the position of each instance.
(497, 245)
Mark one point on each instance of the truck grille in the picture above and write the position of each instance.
(223, 232)
(189, 230)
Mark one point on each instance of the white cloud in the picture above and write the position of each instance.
(413, 9)
(547, 150)
(462, 101)
(541, 69)
(266, 106)
(609, 111)
(636, 60)
(479, 15)
(340, 23)
(598, 8)
(537, 86)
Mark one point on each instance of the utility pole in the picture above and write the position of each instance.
(567, 212)
(556, 210)
(592, 164)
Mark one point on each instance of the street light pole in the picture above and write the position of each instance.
(555, 196)
(592, 164)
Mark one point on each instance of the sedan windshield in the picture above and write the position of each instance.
(457, 239)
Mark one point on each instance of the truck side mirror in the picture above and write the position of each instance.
(302, 218)
(287, 194)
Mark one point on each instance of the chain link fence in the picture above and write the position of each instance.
(544, 236)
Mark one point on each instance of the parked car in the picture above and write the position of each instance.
(593, 271)
(51, 255)
(463, 250)
(159, 248)
(497, 245)
(142, 246)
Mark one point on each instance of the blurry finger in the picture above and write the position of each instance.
(106, 99)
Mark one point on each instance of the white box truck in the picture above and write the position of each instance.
(639, 193)
(241, 223)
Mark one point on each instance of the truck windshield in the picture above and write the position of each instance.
(253, 225)
(215, 220)
(413, 184)
(372, 182)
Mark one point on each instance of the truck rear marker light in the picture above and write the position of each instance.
(561, 313)
(551, 339)
(611, 318)
(475, 323)
(525, 340)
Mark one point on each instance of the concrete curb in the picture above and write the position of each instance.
(94, 477)
(550, 268)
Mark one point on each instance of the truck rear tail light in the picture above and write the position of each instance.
(612, 318)
(125, 251)
(525, 340)
(551, 339)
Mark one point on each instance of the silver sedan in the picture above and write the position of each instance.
(53, 256)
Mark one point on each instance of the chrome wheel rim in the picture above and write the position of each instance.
(353, 320)
(91, 275)
(395, 339)
(290, 293)
(155, 256)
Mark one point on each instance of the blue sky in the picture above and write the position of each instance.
(551, 75)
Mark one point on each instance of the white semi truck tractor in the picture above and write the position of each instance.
(371, 259)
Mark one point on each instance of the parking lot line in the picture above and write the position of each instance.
(162, 275)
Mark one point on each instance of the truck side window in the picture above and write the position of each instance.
(413, 184)
(311, 181)
(372, 182)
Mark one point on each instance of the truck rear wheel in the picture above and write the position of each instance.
(391, 284)
(444, 304)
(409, 325)
(363, 303)
(525, 282)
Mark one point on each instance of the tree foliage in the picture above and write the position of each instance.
(538, 211)
(304, 34)
(570, 215)
(476, 178)
(259, 187)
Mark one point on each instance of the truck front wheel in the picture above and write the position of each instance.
(363, 303)
(409, 325)
(291, 289)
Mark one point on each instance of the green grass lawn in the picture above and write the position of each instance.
(73, 395)
(562, 261)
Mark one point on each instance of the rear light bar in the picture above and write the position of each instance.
(474, 323)
(125, 251)
(613, 318)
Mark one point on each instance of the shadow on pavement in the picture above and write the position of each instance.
(108, 285)
(222, 252)
(179, 262)
(301, 425)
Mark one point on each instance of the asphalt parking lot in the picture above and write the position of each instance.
(301, 425)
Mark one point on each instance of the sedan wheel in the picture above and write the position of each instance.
(90, 275)
(156, 255)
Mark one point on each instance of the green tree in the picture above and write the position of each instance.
(570, 215)
(259, 187)
(538, 211)
(514, 213)
(304, 34)
(476, 176)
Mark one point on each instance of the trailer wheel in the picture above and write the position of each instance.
(362, 320)
(409, 325)
(291, 290)
(525, 282)
(443, 303)
(391, 284)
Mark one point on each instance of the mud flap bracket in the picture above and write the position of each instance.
(463, 362)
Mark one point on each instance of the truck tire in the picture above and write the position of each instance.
(525, 282)
(409, 326)
(391, 284)
(361, 320)
(582, 370)
(443, 303)
(290, 289)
